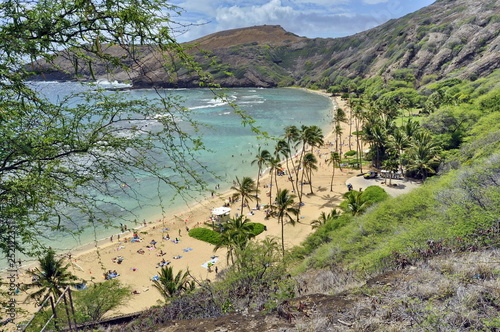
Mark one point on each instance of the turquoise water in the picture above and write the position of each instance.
(233, 145)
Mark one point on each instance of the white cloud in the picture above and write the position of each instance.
(272, 12)
(310, 18)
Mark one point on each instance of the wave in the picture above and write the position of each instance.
(45, 82)
(252, 102)
(215, 104)
(113, 84)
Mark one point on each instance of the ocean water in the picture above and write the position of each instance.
(233, 145)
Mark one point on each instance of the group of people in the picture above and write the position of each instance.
(111, 274)
(118, 259)
(163, 263)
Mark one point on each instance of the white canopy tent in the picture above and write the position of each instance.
(221, 211)
(221, 214)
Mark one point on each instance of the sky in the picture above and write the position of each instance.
(308, 18)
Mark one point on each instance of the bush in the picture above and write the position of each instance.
(205, 234)
(374, 194)
(257, 228)
(350, 153)
(213, 237)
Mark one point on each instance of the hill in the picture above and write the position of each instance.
(450, 38)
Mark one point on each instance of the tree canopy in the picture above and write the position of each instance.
(59, 160)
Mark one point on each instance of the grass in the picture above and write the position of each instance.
(412, 224)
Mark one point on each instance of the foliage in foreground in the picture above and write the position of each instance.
(51, 277)
(258, 279)
(93, 303)
(63, 162)
(90, 305)
(171, 285)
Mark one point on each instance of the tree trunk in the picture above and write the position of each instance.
(257, 194)
(310, 181)
(282, 236)
(333, 174)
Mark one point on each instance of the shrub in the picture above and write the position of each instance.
(350, 153)
(374, 194)
(257, 228)
(213, 237)
(205, 234)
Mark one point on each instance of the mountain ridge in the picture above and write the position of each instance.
(449, 38)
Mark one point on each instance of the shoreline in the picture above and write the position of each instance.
(87, 260)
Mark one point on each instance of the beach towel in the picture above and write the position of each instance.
(212, 262)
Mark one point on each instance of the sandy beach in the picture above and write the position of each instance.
(136, 264)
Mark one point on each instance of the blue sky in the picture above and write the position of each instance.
(309, 18)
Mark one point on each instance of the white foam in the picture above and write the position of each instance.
(208, 106)
(114, 84)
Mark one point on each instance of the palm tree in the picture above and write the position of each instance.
(376, 134)
(410, 128)
(246, 190)
(235, 236)
(301, 139)
(284, 210)
(355, 202)
(340, 116)
(314, 137)
(421, 153)
(274, 165)
(262, 158)
(310, 164)
(324, 218)
(358, 117)
(170, 285)
(282, 149)
(291, 134)
(338, 133)
(334, 160)
(50, 277)
(292, 138)
(391, 165)
(398, 141)
(354, 103)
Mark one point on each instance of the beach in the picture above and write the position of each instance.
(136, 261)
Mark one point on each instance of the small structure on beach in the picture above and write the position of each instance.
(220, 214)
